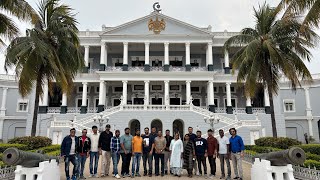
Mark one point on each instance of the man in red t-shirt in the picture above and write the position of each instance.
(212, 152)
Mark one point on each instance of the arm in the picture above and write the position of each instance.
(122, 145)
(111, 145)
(241, 147)
(205, 144)
(132, 144)
(165, 145)
(63, 144)
(216, 148)
(100, 141)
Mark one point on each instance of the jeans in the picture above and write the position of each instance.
(212, 162)
(147, 157)
(237, 164)
(202, 159)
(156, 158)
(136, 160)
(126, 158)
(115, 161)
(95, 156)
(74, 160)
(223, 157)
(81, 163)
(166, 159)
(106, 157)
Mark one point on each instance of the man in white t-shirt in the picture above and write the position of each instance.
(224, 153)
(94, 152)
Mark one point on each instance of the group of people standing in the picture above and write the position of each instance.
(189, 152)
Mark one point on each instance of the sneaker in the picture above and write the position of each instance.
(82, 177)
(132, 176)
(138, 175)
(127, 175)
(197, 173)
(228, 178)
(96, 176)
(236, 177)
(206, 176)
(222, 177)
(117, 176)
(102, 175)
(91, 175)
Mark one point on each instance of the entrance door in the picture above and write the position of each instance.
(116, 102)
(138, 101)
(292, 132)
(157, 101)
(174, 101)
(177, 126)
(135, 124)
(157, 124)
(196, 102)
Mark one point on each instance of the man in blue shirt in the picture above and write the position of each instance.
(115, 148)
(237, 153)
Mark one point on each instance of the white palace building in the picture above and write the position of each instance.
(162, 72)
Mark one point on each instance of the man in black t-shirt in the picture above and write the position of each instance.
(104, 145)
(192, 137)
(201, 153)
(146, 152)
(167, 151)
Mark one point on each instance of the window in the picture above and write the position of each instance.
(233, 102)
(22, 106)
(138, 88)
(174, 87)
(156, 88)
(97, 89)
(232, 89)
(216, 89)
(80, 89)
(216, 102)
(195, 89)
(117, 89)
(196, 102)
(289, 105)
(79, 102)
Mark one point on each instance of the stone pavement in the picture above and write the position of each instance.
(246, 172)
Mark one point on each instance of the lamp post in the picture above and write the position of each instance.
(99, 119)
(212, 120)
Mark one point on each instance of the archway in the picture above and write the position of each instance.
(134, 124)
(178, 126)
(157, 124)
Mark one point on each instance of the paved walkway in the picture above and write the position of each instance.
(246, 171)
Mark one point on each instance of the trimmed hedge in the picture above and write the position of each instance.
(50, 148)
(253, 153)
(310, 156)
(280, 142)
(54, 153)
(260, 149)
(312, 164)
(3, 147)
(311, 148)
(32, 142)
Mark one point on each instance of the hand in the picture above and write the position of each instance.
(218, 155)
(214, 156)
(241, 154)
(88, 154)
(205, 154)
(125, 152)
(100, 152)
(132, 153)
(63, 156)
(150, 153)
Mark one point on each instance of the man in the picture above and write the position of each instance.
(224, 154)
(69, 148)
(146, 150)
(167, 151)
(153, 135)
(192, 137)
(94, 152)
(159, 145)
(83, 150)
(126, 148)
(104, 146)
(212, 152)
(115, 153)
(176, 148)
(201, 153)
(137, 144)
(237, 153)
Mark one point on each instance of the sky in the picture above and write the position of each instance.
(230, 15)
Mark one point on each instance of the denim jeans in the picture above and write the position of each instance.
(212, 162)
(202, 160)
(156, 158)
(95, 156)
(147, 157)
(126, 159)
(81, 163)
(115, 161)
(74, 160)
(136, 160)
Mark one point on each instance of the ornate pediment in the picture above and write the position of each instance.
(156, 25)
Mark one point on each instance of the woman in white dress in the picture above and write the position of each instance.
(176, 149)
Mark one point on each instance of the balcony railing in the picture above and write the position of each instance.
(136, 69)
(197, 69)
(113, 68)
(156, 69)
(92, 71)
(174, 68)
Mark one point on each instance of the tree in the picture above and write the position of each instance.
(49, 52)
(272, 49)
(18, 8)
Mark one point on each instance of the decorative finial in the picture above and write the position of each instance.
(156, 7)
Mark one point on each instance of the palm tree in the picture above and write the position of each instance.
(49, 52)
(272, 49)
(18, 8)
(309, 10)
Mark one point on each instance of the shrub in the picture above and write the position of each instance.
(311, 148)
(248, 147)
(50, 148)
(253, 153)
(280, 142)
(3, 147)
(311, 156)
(312, 164)
(32, 142)
(54, 153)
(260, 149)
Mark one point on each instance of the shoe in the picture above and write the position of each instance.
(132, 176)
(162, 174)
(197, 174)
(82, 177)
(128, 175)
(157, 174)
(222, 177)
(117, 176)
(240, 178)
(228, 178)
(144, 174)
(138, 175)
(68, 178)
(150, 175)
(236, 177)
(91, 175)
(166, 172)
(102, 175)
(96, 176)
(206, 176)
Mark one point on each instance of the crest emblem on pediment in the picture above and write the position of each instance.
(156, 26)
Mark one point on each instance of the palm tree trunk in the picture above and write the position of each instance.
(36, 107)
(273, 119)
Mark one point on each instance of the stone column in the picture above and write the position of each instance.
(166, 56)
(43, 102)
(86, 59)
(188, 91)
(1, 127)
(84, 106)
(64, 107)
(124, 92)
(146, 56)
(229, 105)
(209, 57)
(266, 101)
(125, 56)
(211, 96)
(226, 62)
(102, 96)
(308, 110)
(146, 92)
(188, 65)
(248, 105)
(4, 102)
(166, 93)
(103, 57)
